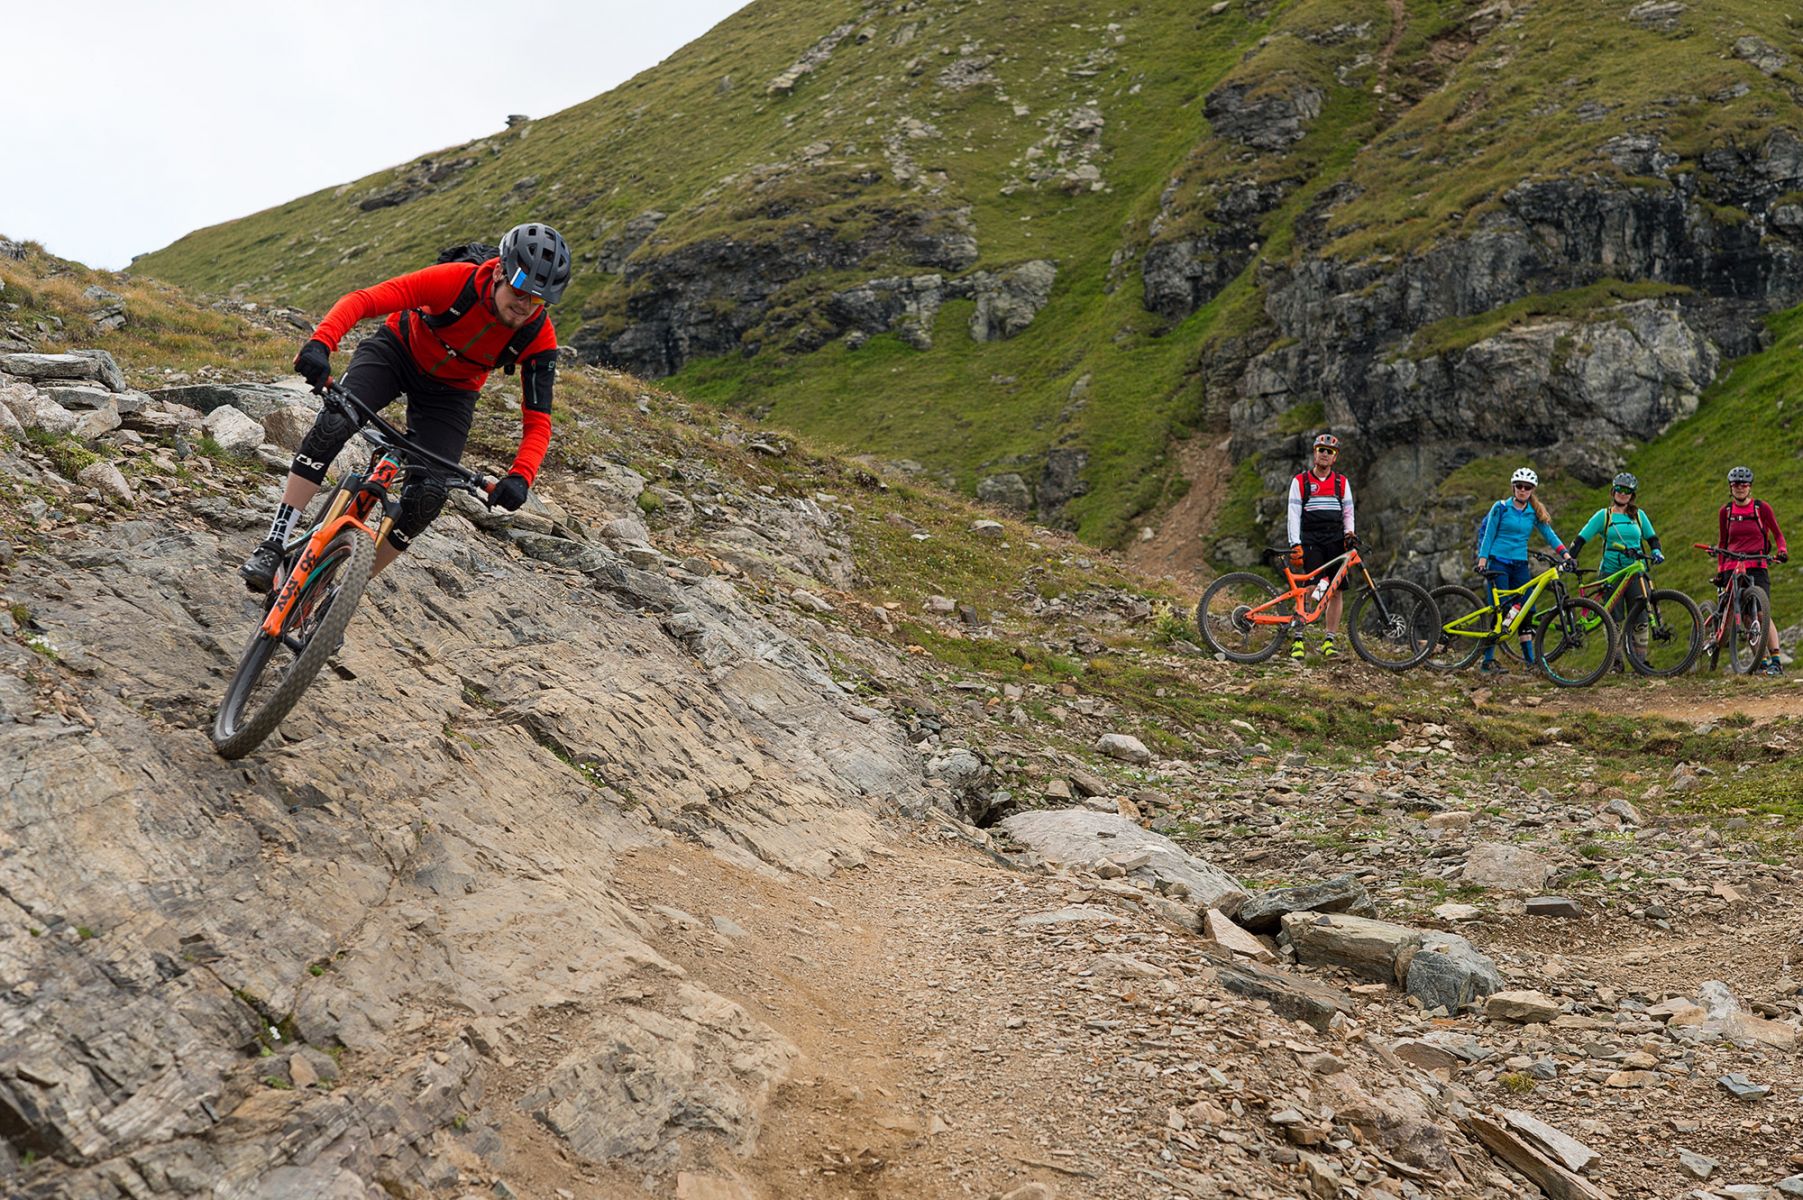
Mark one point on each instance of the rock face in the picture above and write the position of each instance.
(706, 297)
(1569, 393)
(413, 885)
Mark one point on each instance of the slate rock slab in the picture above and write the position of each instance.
(1264, 912)
(1075, 835)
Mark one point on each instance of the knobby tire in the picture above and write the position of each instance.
(1561, 651)
(236, 733)
(1219, 610)
(1405, 624)
(1746, 640)
(1672, 616)
(1451, 651)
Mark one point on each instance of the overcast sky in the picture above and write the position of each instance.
(132, 123)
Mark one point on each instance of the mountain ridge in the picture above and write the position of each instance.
(1029, 251)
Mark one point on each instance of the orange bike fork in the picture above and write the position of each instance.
(334, 522)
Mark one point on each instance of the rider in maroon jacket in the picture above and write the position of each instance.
(1749, 526)
(448, 326)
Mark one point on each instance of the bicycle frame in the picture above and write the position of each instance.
(358, 495)
(1728, 597)
(1494, 626)
(351, 506)
(1300, 589)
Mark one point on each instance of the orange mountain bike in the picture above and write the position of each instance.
(1394, 623)
(324, 571)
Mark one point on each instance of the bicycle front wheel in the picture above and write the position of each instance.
(1575, 642)
(1746, 629)
(1394, 625)
(262, 690)
(1663, 634)
(1462, 617)
(1223, 616)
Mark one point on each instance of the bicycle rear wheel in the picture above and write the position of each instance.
(1746, 629)
(1669, 628)
(1394, 625)
(1456, 605)
(1575, 642)
(262, 691)
(1221, 615)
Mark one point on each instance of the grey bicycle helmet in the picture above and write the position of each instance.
(536, 261)
(1741, 475)
(1626, 483)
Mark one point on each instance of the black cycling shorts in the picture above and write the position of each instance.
(1319, 554)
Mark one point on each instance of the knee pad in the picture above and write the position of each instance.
(331, 430)
(421, 499)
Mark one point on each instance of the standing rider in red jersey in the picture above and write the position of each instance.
(1749, 526)
(448, 326)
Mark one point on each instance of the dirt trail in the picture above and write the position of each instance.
(1175, 547)
(946, 1051)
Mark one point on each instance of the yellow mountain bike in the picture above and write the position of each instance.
(1574, 640)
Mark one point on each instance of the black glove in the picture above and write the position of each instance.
(1352, 541)
(1782, 556)
(1721, 579)
(314, 363)
(509, 493)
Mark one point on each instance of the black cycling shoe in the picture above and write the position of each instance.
(258, 571)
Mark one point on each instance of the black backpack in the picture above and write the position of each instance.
(477, 253)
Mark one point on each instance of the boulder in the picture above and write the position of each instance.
(1078, 836)
(1506, 867)
(255, 400)
(1125, 747)
(1229, 936)
(1524, 1007)
(287, 426)
(1007, 490)
(1446, 971)
(34, 410)
(1290, 996)
(96, 365)
(1264, 912)
(235, 432)
(1360, 944)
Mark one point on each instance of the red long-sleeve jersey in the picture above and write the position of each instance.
(460, 354)
(1750, 528)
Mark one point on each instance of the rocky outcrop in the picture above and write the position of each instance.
(1263, 116)
(703, 298)
(1006, 303)
(1569, 391)
(419, 888)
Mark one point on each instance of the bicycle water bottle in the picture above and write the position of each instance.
(1320, 591)
(1510, 619)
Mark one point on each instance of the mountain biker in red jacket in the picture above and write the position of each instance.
(1749, 526)
(448, 326)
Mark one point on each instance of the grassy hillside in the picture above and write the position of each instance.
(1429, 112)
(48, 300)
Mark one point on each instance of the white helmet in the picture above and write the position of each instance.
(1524, 475)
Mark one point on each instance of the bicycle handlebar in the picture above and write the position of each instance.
(1556, 561)
(388, 437)
(1722, 552)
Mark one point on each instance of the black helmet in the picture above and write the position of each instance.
(1741, 475)
(1626, 483)
(536, 261)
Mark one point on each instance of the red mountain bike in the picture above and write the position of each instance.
(324, 571)
(1742, 612)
